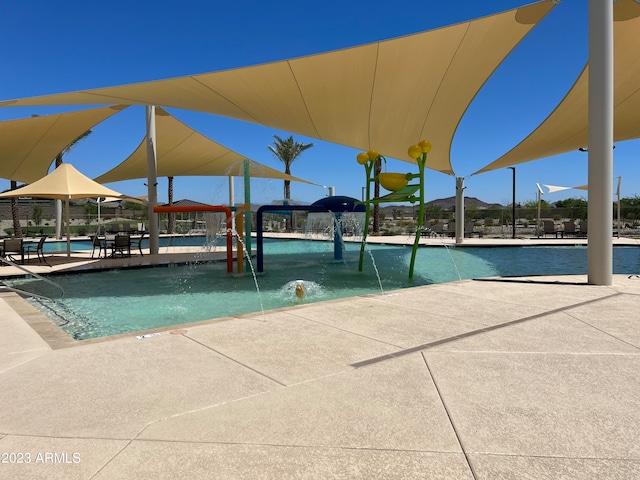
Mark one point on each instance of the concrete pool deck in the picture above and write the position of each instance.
(532, 377)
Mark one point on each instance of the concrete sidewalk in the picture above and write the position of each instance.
(504, 378)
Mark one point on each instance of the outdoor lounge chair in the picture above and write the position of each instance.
(38, 249)
(584, 230)
(13, 247)
(549, 227)
(451, 229)
(435, 230)
(570, 228)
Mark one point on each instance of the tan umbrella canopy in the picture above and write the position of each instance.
(566, 128)
(64, 183)
(29, 145)
(182, 151)
(384, 96)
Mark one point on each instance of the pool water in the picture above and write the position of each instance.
(117, 301)
(165, 241)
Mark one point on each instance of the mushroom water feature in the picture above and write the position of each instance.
(336, 205)
(401, 191)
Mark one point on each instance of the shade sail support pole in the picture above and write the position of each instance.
(152, 183)
(247, 212)
(600, 211)
(68, 215)
(459, 209)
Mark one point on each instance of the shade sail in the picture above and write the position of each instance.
(557, 188)
(182, 151)
(30, 145)
(566, 128)
(384, 96)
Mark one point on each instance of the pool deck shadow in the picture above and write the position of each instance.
(529, 377)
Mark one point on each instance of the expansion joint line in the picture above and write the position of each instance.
(451, 422)
(478, 331)
(236, 361)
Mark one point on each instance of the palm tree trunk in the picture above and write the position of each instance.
(171, 216)
(58, 205)
(15, 214)
(287, 196)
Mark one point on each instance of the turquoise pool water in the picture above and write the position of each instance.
(118, 301)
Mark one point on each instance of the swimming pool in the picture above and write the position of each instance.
(118, 301)
(165, 241)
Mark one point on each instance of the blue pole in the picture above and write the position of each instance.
(337, 237)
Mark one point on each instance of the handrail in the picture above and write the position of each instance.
(29, 272)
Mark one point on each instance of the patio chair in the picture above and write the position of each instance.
(122, 246)
(549, 227)
(584, 230)
(451, 229)
(38, 249)
(570, 228)
(12, 247)
(435, 230)
(100, 244)
(137, 243)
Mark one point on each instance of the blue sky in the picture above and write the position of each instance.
(54, 47)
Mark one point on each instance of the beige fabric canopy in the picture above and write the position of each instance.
(384, 96)
(30, 145)
(64, 183)
(182, 151)
(566, 128)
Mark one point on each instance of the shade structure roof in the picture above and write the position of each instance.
(182, 151)
(30, 145)
(64, 183)
(566, 128)
(384, 96)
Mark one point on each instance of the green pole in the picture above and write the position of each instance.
(368, 168)
(421, 163)
(247, 212)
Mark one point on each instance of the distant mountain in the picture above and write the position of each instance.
(450, 202)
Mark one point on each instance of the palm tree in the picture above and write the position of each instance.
(287, 151)
(17, 230)
(65, 150)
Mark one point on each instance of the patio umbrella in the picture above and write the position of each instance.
(64, 183)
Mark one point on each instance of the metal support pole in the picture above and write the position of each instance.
(152, 185)
(247, 210)
(460, 209)
(600, 242)
(513, 204)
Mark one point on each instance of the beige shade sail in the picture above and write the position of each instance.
(384, 96)
(30, 145)
(182, 151)
(566, 128)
